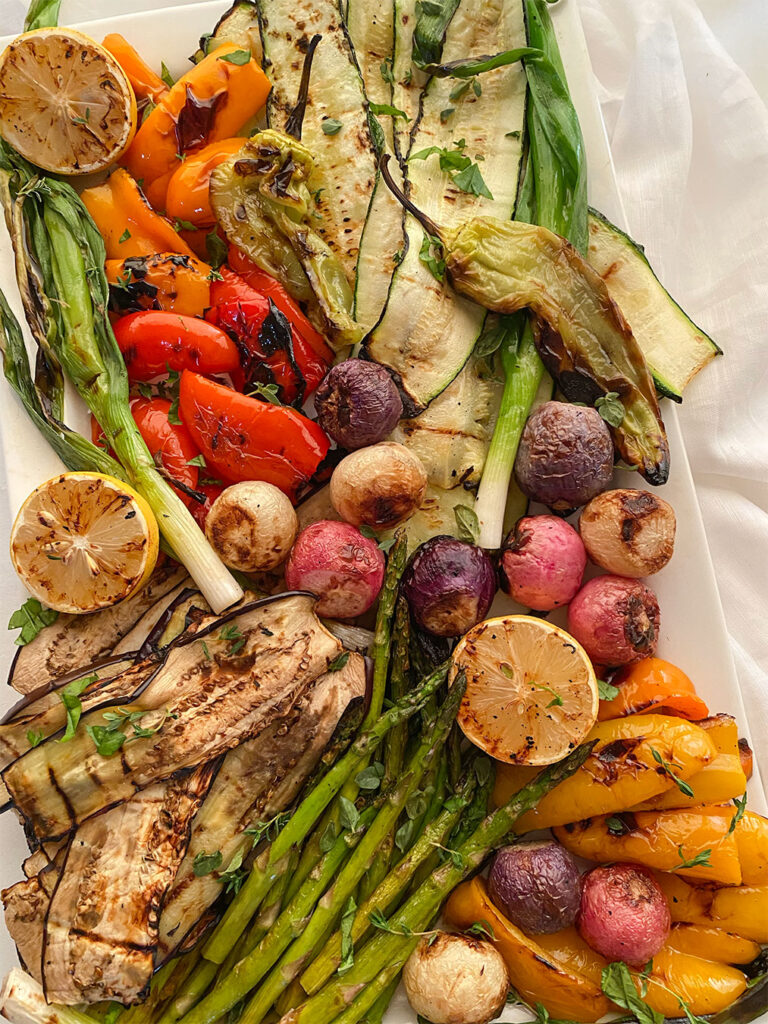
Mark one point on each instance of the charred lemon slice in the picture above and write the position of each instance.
(531, 692)
(83, 541)
(65, 103)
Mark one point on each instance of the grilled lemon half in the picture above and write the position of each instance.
(65, 102)
(84, 541)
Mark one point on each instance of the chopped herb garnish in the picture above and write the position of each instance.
(216, 249)
(445, 114)
(70, 698)
(338, 663)
(347, 942)
(482, 929)
(233, 635)
(30, 619)
(386, 108)
(386, 70)
(741, 806)
(239, 57)
(268, 830)
(328, 838)
(184, 225)
(606, 691)
(370, 778)
(435, 264)
(269, 392)
(198, 460)
(467, 523)
(232, 879)
(668, 767)
(331, 126)
(611, 408)
(700, 860)
(349, 816)
(34, 738)
(124, 237)
(166, 75)
(205, 863)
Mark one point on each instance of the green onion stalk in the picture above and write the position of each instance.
(554, 195)
(60, 259)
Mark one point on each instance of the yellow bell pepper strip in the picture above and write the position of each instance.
(145, 83)
(706, 986)
(740, 909)
(718, 782)
(696, 843)
(126, 221)
(535, 974)
(569, 950)
(713, 943)
(187, 196)
(752, 843)
(620, 772)
(168, 281)
(210, 102)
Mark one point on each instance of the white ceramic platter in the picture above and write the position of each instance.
(693, 629)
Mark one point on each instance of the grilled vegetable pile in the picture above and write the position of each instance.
(318, 312)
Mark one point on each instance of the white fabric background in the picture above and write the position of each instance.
(683, 87)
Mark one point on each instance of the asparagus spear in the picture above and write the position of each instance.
(326, 913)
(266, 869)
(397, 944)
(393, 886)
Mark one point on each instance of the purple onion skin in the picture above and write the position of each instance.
(536, 885)
(565, 456)
(449, 586)
(357, 404)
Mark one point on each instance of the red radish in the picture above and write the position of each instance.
(624, 914)
(542, 562)
(615, 620)
(340, 565)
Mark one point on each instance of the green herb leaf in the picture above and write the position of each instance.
(233, 635)
(328, 838)
(741, 806)
(199, 460)
(416, 804)
(106, 739)
(471, 180)
(445, 114)
(386, 71)
(482, 929)
(700, 860)
(435, 264)
(205, 863)
(370, 778)
(184, 225)
(347, 942)
(166, 75)
(147, 109)
(668, 769)
(458, 90)
(606, 691)
(206, 652)
(617, 826)
(214, 275)
(338, 663)
(239, 57)
(349, 816)
(124, 237)
(331, 126)
(404, 835)
(385, 108)
(496, 331)
(377, 919)
(446, 853)
(617, 983)
(268, 830)
(30, 619)
(467, 523)
(269, 392)
(70, 698)
(34, 738)
(216, 249)
(611, 408)
(232, 879)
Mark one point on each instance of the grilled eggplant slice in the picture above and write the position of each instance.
(256, 780)
(101, 927)
(214, 691)
(674, 347)
(74, 641)
(345, 156)
(26, 904)
(427, 332)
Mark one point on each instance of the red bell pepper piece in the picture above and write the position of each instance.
(271, 350)
(262, 282)
(153, 342)
(245, 439)
(200, 511)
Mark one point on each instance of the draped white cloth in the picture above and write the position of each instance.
(689, 135)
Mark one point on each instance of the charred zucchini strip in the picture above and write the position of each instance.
(335, 127)
(427, 332)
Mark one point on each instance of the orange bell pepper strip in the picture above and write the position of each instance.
(740, 909)
(166, 280)
(620, 772)
(745, 756)
(128, 224)
(718, 782)
(210, 102)
(712, 943)
(262, 282)
(653, 685)
(187, 191)
(696, 843)
(533, 972)
(145, 83)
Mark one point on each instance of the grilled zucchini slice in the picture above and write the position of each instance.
(427, 332)
(674, 347)
(335, 125)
